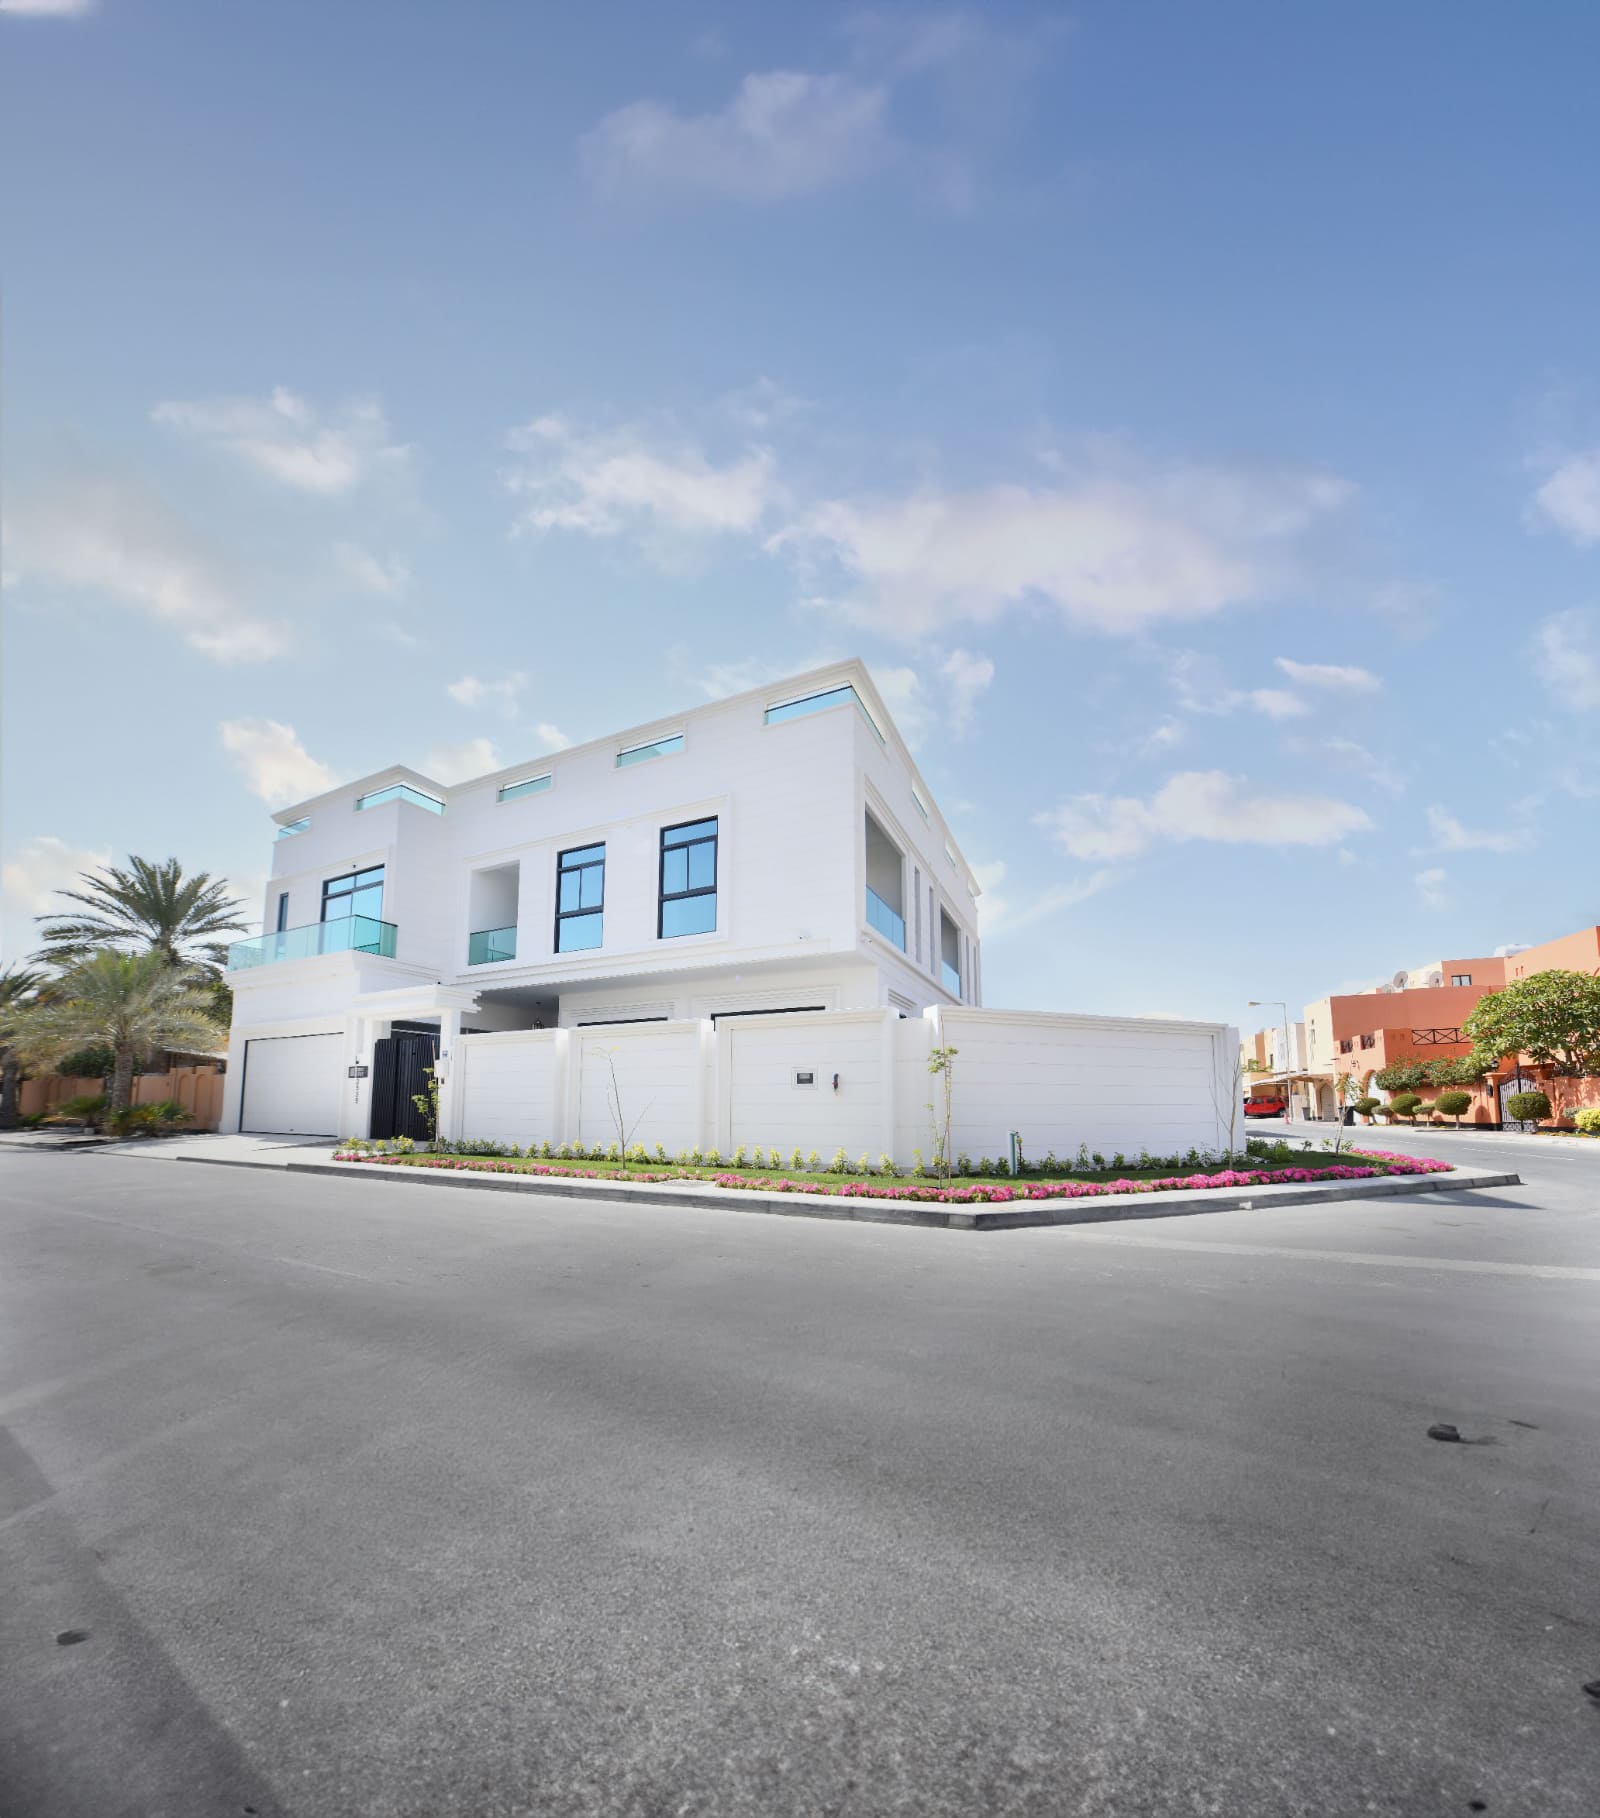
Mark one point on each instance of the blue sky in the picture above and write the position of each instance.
(1191, 413)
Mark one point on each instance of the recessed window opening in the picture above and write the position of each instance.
(529, 785)
(922, 806)
(1460, 978)
(885, 886)
(641, 754)
(950, 954)
(688, 879)
(283, 910)
(356, 893)
(580, 898)
(492, 914)
(400, 792)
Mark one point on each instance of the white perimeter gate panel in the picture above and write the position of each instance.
(659, 1078)
(293, 1084)
(1115, 1083)
(508, 1087)
(770, 1103)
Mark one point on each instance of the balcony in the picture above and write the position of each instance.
(347, 934)
(890, 923)
(490, 945)
(951, 975)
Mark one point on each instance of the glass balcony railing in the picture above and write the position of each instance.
(952, 978)
(890, 923)
(491, 944)
(348, 934)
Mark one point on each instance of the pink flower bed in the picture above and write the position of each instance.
(984, 1194)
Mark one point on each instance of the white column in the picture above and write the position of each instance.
(448, 1068)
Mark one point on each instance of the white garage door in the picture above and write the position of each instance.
(291, 1085)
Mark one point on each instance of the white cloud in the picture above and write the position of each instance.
(470, 691)
(1113, 553)
(551, 738)
(371, 573)
(48, 9)
(29, 880)
(327, 453)
(611, 483)
(967, 674)
(1431, 891)
(110, 534)
(1277, 703)
(460, 763)
(783, 133)
(1338, 678)
(1449, 835)
(1353, 757)
(276, 767)
(1570, 497)
(1198, 805)
(1165, 736)
(1000, 915)
(1567, 656)
(904, 696)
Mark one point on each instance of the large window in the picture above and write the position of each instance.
(357, 893)
(580, 898)
(688, 879)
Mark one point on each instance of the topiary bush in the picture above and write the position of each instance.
(1588, 1121)
(1365, 1107)
(1404, 1104)
(1453, 1104)
(1528, 1107)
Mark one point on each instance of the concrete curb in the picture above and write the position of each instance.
(1016, 1215)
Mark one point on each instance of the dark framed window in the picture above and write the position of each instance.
(688, 879)
(356, 893)
(1460, 978)
(283, 910)
(580, 898)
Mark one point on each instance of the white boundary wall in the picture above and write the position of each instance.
(1111, 1083)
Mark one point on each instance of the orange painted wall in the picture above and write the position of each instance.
(1578, 952)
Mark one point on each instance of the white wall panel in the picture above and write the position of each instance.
(766, 1107)
(659, 1080)
(507, 1086)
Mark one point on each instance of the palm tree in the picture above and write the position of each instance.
(134, 1003)
(18, 987)
(147, 908)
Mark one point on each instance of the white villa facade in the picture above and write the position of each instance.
(750, 914)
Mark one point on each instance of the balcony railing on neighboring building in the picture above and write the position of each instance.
(890, 923)
(346, 934)
(491, 944)
(952, 977)
(1436, 1038)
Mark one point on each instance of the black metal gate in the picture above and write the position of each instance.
(399, 1075)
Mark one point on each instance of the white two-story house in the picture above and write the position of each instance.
(776, 851)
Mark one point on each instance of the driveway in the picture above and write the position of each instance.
(371, 1500)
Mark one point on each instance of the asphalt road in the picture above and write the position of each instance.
(378, 1500)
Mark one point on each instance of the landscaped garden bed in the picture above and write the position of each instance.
(1275, 1164)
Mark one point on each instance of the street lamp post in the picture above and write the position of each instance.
(1277, 1003)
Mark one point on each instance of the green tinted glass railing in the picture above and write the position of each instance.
(888, 922)
(290, 828)
(347, 934)
(399, 792)
(820, 703)
(952, 978)
(491, 944)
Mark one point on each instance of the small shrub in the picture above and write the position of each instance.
(739, 1159)
(1364, 1107)
(886, 1166)
(85, 1109)
(1404, 1104)
(1082, 1163)
(1099, 1161)
(985, 1166)
(813, 1162)
(545, 1151)
(963, 1163)
(918, 1166)
(1529, 1107)
(696, 1159)
(839, 1162)
(863, 1164)
(1119, 1161)
(1452, 1104)
(796, 1162)
(774, 1159)
(713, 1158)
(661, 1154)
(1588, 1121)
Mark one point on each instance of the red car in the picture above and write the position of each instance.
(1263, 1107)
